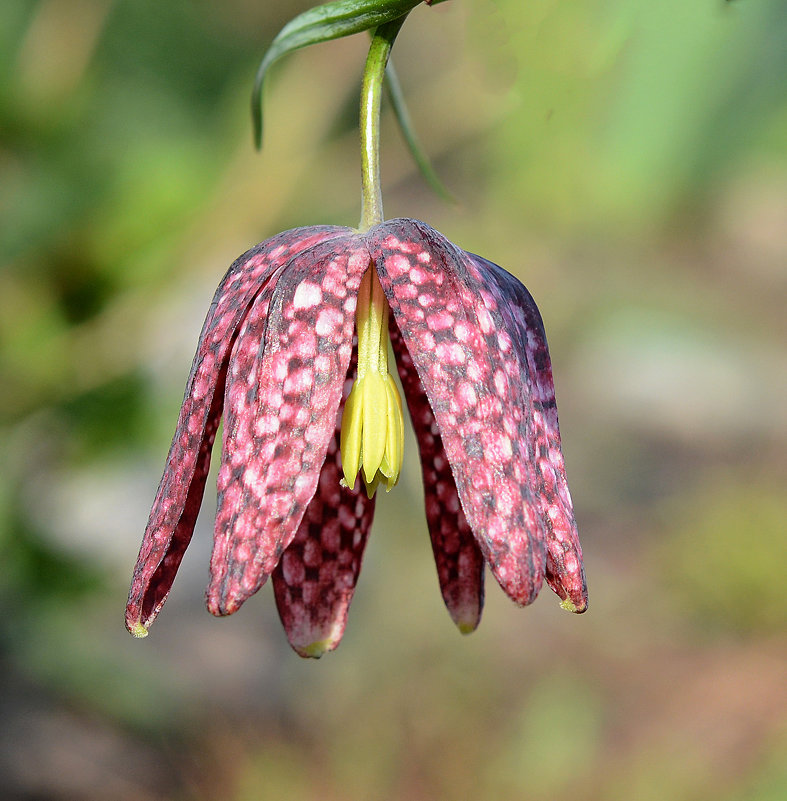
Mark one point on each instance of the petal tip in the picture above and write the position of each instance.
(221, 606)
(466, 616)
(315, 649)
(570, 606)
(223, 610)
(466, 626)
(137, 629)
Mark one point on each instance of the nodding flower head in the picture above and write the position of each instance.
(294, 354)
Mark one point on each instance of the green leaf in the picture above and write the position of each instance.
(321, 24)
(396, 98)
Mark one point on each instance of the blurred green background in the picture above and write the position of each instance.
(627, 159)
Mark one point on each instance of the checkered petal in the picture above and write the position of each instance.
(459, 561)
(284, 387)
(179, 495)
(315, 579)
(564, 570)
(467, 364)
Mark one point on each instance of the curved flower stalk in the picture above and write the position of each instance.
(277, 356)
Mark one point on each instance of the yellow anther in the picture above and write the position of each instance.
(372, 438)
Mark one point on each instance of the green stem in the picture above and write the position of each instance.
(371, 95)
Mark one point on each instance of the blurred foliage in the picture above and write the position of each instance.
(628, 160)
(641, 108)
(725, 557)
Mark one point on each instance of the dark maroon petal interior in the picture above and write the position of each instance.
(459, 561)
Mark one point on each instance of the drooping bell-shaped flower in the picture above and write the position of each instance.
(294, 354)
(306, 411)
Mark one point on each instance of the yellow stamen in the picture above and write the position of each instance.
(372, 438)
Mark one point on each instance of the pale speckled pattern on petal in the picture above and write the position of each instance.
(315, 579)
(180, 491)
(459, 561)
(466, 363)
(564, 569)
(283, 393)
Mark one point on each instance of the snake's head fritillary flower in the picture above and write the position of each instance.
(294, 354)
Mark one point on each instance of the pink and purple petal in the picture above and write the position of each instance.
(459, 561)
(455, 344)
(284, 387)
(564, 569)
(180, 491)
(315, 579)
